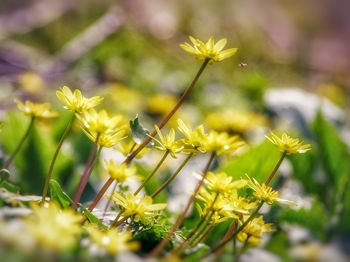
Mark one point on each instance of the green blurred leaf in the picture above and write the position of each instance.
(315, 219)
(333, 151)
(93, 219)
(335, 158)
(152, 185)
(304, 170)
(4, 174)
(9, 186)
(32, 161)
(279, 245)
(257, 162)
(57, 194)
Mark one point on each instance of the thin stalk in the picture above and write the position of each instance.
(189, 242)
(153, 172)
(149, 138)
(109, 200)
(117, 223)
(268, 180)
(87, 172)
(55, 155)
(203, 236)
(245, 244)
(227, 235)
(204, 218)
(20, 144)
(155, 252)
(170, 179)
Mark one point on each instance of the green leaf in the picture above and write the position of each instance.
(9, 186)
(335, 158)
(333, 151)
(138, 132)
(4, 174)
(93, 219)
(57, 194)
(315, 219)
(33, 160)
(257, 162)
(304, 170)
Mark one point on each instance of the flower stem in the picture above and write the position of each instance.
(149, 138)
(153, 172)
(170, 179)
(87, 172)
(199, 229)
(19, 145)
(53, 160)
(109, 200)
(268, 180)
(155, 252)
(196, 242)
(245, 244)
(117, 223)
(204, 218)
(227, 235)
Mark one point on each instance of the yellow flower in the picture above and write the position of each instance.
(141, 207)
(193, 140)
(113, 241)
(253, 231)
(235, 120)
(122, 172)
(209, 50)
(222, 183)
(168, 142)
(223, 208)
(31, 82)
(222, 143)
(99, 126)
(75, 101)
(53, 228)
(161, 104)
(266, 193)
(287, 144)
(36, 110)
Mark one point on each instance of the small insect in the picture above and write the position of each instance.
(242, 64)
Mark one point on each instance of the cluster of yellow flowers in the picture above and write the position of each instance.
(220, 197)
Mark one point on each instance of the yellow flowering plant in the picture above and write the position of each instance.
(112, 241)
(36, 110)
(288, 144)
(145, 218)
(210, 50)
(75, 101)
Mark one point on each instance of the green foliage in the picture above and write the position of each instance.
(151, 232)
(279, 245)
(152, 185)
(333, 152)
(33, 159)
(57, 194)
(257, 162)
(304, 170)
(93, 219)
(335, 159)
(315, 219)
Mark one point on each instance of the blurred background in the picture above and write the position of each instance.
(291, 72)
